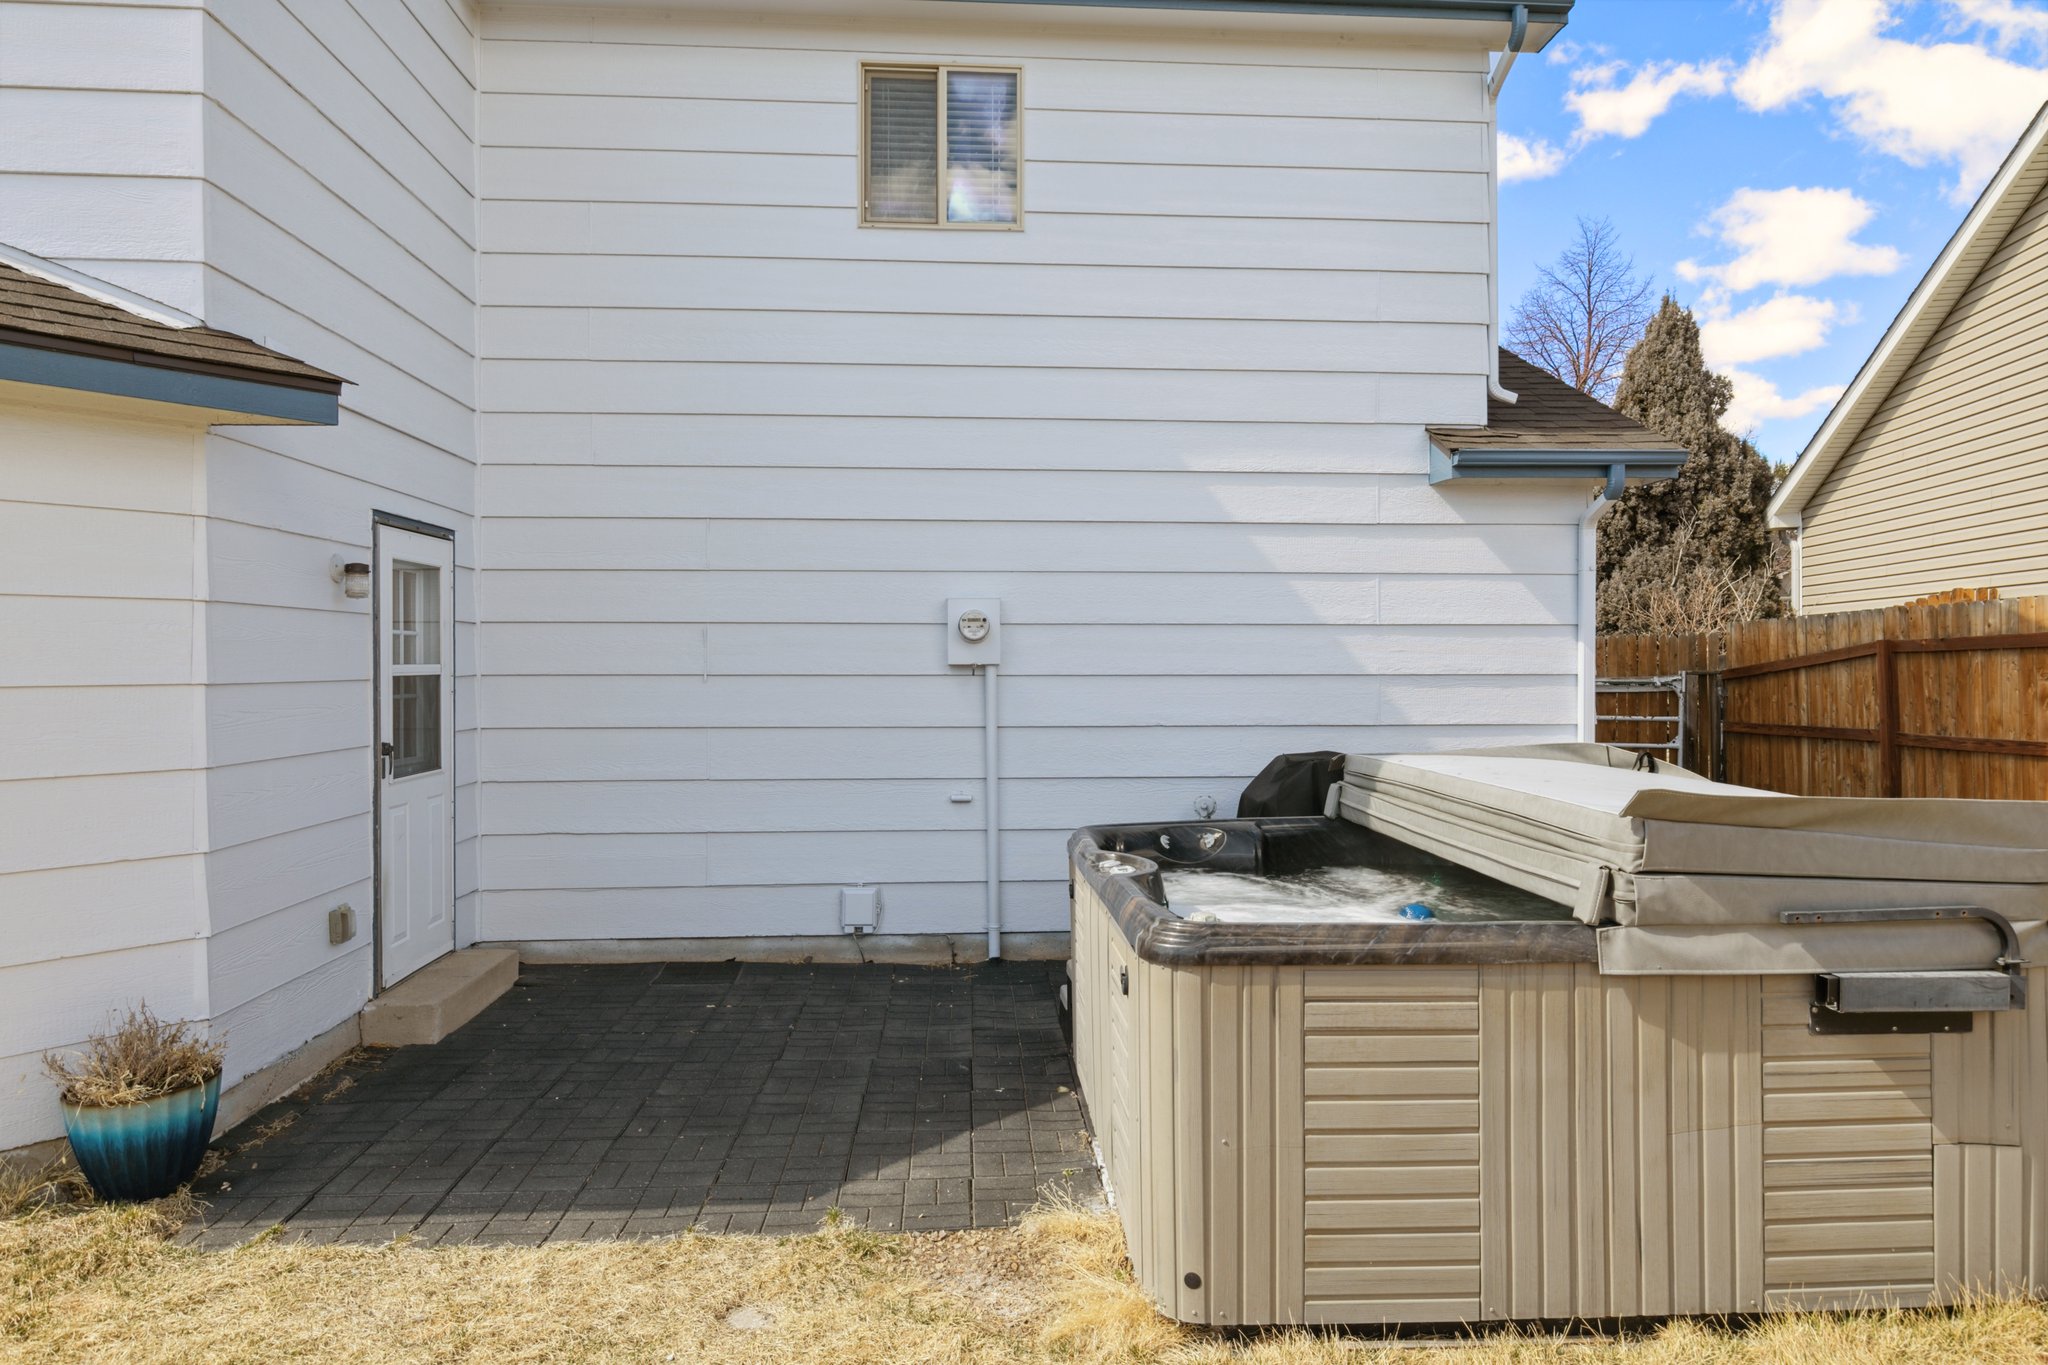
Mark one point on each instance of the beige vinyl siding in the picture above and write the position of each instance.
(1947, 485)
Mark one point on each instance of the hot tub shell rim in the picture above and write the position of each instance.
(1157, 935)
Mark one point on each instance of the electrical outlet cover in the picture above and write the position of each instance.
(860, 909)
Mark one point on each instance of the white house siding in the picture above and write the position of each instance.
(1944, 486)
(100, 144)
(309, 181)
(102, 771)
(341, 221)
(740, 451)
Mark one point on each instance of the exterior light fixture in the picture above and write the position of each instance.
(353, 575)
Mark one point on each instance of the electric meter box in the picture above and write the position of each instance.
(974, 630)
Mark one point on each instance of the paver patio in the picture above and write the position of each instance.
(603, 1101)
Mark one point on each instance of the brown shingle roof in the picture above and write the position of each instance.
(41, 313)
(1551, 415)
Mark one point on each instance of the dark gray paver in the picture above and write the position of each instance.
(632, 1101)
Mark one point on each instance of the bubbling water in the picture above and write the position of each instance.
(1350, 895)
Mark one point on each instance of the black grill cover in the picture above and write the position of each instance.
(1292, 784)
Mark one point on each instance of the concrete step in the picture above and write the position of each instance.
(439, 998)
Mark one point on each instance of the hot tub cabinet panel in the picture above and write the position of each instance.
(1399, 1139)
(1193, 1077)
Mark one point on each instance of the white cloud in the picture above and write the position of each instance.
(1565, 51)
(1609, 107)
(1785, 324)
(2008, 21)
(1528, 158)
(1757, 400)
(1949, 103)
(1791, 236)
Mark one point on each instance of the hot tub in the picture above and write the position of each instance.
(1318, 1112)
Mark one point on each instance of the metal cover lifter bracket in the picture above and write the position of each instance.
(2003, 986)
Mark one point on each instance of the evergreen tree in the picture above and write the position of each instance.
(1691, 552)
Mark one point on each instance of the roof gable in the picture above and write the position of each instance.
(1991, 219)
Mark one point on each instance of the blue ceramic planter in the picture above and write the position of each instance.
(147, 1150)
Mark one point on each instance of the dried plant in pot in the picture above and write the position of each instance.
(139, 1104)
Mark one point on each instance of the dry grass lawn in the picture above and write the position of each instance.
(104, 1284)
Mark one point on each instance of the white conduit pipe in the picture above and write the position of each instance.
(1589, 613)
(992, 779)
(1518, 30)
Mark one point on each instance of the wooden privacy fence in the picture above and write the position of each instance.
(1928, 699)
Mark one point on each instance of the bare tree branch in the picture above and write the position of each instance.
(1676, 589)
(1584, 313)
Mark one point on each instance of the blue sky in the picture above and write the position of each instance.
(1787, 168)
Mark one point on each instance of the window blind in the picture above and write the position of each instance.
(903, 147)
(981, 146)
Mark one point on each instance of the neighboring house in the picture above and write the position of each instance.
(696, 360)
(1928, 476)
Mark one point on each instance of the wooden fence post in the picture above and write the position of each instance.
(1887, 717)
(1716, 737)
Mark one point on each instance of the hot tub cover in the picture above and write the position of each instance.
(1636, 843)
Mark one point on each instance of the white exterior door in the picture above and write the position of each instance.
(415, 751)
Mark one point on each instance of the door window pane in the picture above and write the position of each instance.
(415, 614)
(903, 146)
(415, 724)
(981, 146)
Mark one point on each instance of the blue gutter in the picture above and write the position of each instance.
(260, 400)
(1612, 468)
(1497, 11)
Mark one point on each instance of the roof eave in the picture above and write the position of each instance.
(1614, 469)
(241, 398)
(2019, 179)
(1546, 18)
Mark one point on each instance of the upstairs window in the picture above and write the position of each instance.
(940, 147)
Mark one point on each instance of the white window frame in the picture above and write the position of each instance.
(939, 72)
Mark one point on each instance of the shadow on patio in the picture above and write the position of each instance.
(647, 1099)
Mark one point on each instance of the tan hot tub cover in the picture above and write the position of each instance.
(1663, 849)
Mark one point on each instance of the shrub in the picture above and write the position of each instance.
(143, 1058)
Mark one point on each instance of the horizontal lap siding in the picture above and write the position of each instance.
(1849, 1184)
(100, 143)
(340, 171)
(743, 450)
(102, 780)
(1391, 1100)
(1944, 487)
(302, 173)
